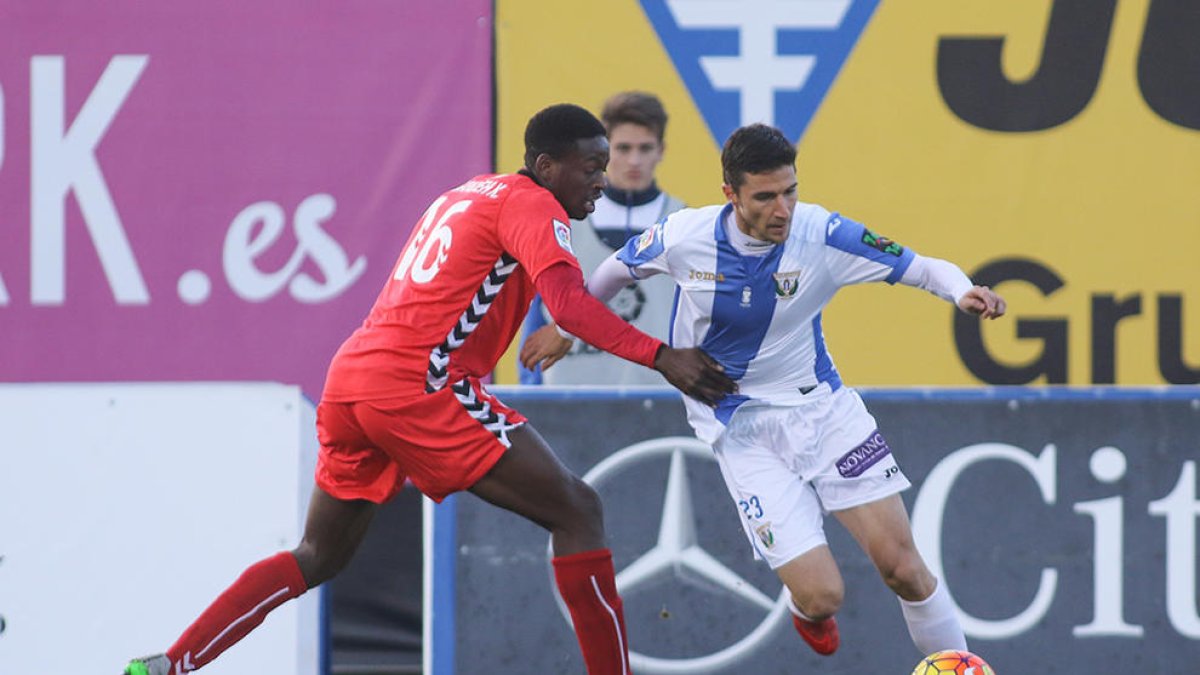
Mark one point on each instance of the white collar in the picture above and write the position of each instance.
(742, 242)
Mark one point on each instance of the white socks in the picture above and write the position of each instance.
(932, 623)
(796, 610)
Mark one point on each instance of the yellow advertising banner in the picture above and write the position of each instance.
(1051, 149)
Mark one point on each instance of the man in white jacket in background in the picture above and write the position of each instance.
(632, 201)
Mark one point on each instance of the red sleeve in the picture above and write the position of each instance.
(585, 317)
(534, 229)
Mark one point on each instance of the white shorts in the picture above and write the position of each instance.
(786, 467)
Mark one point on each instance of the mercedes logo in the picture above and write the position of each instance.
(678, 557)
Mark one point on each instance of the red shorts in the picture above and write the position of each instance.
(443, 442)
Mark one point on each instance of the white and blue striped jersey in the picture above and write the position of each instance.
(760, 315)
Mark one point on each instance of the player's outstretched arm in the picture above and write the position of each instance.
(947, 281)
(582, 315)
(548, 345)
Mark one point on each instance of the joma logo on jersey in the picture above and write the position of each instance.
(770, 62)
(698, 275)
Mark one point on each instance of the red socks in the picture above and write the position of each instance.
(585, 580)
(264, 586)
(589, 588)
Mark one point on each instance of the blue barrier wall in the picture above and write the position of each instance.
(1063, 522)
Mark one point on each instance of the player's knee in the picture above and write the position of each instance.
(586, 504)
(319, 563)
(908, 577)
(821, 603)
(581, 511)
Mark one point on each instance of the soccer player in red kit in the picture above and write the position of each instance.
(403, 398)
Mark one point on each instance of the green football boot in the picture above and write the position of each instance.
(158, 664)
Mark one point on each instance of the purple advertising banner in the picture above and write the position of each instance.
(218, 190)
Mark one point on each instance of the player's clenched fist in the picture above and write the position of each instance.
(694, 373)
(983, 301)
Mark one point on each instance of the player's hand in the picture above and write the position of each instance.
(694, 373)
(982, 301)
(545, 346)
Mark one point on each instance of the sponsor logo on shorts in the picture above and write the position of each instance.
(765, 535)
(858, 460)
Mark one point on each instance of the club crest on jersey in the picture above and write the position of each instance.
(746, 291)
(880, 243)
(765, 535)
(786, 284)
(562, 234)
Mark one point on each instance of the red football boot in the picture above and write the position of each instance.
(822, 636)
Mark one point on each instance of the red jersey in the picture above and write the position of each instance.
(458, 293)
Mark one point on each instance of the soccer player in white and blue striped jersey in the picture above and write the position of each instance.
(793, 443)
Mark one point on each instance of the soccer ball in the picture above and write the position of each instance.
(953, 662)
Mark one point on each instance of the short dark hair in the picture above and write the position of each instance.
(555, 130)
(635, 107)
(755, 148)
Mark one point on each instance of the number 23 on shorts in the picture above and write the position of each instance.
(751, 507)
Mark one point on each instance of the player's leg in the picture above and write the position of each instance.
(815, 583)
(862, 488)
(816, 592)
(463, 438)
(529, 480)
(332, 533)
(782, 517)
(882, 529)
(333, 530)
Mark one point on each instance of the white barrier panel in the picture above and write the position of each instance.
(126, 508)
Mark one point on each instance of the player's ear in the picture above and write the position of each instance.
(545, 168)
(730, 193)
